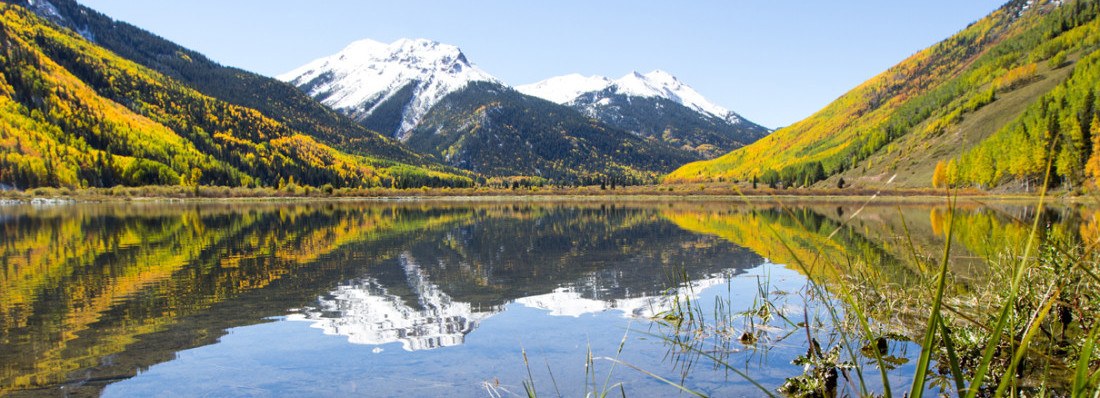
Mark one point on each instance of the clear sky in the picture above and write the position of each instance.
(774, 62)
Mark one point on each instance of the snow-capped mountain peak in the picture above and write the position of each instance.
(563, 89)
(661, 84)
(655, 84)
(367, 73)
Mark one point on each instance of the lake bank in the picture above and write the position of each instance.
(632, 193)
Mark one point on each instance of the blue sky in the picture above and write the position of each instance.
(774, 62)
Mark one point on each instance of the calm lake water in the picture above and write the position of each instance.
(446, 299)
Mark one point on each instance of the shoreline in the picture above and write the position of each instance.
(623, 195)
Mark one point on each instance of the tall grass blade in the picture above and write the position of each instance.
(866, 329)
(1030, 334)
(553, 380)
(662, 379)
(952, 358)
(909, 240)
(1081, 376)
(930, 334)
(618, 353)
(990, 350)
(1002, 319)
(589, 369)
(529, 384)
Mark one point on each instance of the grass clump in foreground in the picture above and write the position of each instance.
(1027, 326)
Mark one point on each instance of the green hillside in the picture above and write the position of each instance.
(75, 114)
(961, 99)
(273, 98)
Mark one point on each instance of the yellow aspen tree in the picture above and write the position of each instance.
(952, 174)
(939, 176)
(1092, 166)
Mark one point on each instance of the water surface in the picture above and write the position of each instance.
(429, 299)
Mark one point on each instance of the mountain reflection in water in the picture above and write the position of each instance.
(367, 313)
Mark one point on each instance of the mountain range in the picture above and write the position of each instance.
(369, 87)
(431, 97)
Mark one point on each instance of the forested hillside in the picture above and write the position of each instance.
(496, 131)
(986, 107)
(273, 98)
(669, 122)
(1061, 128)
(74, 114)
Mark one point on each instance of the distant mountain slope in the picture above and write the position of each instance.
(494, 130)
(389, 87)
(273, 98)
(940, 105)
(656, 105)
(75, 114)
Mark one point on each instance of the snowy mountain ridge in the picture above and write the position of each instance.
(396, 84)
(367, 74)
(656, 84)
(564, 89)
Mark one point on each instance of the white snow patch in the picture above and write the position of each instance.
(563, 89)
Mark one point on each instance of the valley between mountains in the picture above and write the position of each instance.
(90, 102)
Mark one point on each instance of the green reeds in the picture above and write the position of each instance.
(1081, 378)
(968, 378)
(917, 390)
(591, 387)
(1002, 319)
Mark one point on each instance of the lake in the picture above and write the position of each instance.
(440, 298)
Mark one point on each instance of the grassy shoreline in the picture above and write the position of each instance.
(632, 193)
